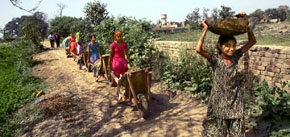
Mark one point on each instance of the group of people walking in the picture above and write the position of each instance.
(225, 116)
(117, 60)
(54, 39)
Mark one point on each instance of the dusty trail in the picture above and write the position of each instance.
(100, 115)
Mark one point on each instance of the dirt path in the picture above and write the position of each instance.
(100, 115)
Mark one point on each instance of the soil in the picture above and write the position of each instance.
(98, 113)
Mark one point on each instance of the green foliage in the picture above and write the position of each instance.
(193, 18)
(84, 27)
(16, 82)
(63, 25)
(32, 33)
(95, 12)
(226, 12)
(281, 133)
(271, 104)
(136, 33)
(190, 73)
(258, 13)
(13, 28)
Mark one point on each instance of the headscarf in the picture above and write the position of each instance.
(77, 36)
(118, 33)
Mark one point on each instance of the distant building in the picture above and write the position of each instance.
(165, 24)
(163, 19)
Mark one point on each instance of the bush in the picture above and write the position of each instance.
(137, 33)
(190, 73)
(31, 33)
(270, 105)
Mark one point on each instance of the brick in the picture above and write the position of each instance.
(286, 66)
(254, 53)
(288, 62)
(265, 63)
(276, 79)
(259, 63)
(271, 74)
(245, 63)
(261, 68)
(271, 84)
(287, 51)
(266, 59)
(262, 78)
(285, 71)
(254, 67)
(282, 56)
(268, 68)
(277, 70)
(264, 73)
(268, 54)
(276, 51)
(262, 54)
(279, 65)
(256, 72)
(276, 55)
(286, 77)
(267, 78)
(265, 48)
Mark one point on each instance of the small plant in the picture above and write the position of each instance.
(270, 105)
(16, 82)
(189, 72)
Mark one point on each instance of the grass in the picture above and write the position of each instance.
(16, 83)
(263, 36)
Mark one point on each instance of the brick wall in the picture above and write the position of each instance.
(261, 61)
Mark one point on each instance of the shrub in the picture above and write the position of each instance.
(190, 73)
(270, 105)
(137, 33)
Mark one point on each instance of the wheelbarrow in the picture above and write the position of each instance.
(67, 51)
(137, 85)
(104, 69)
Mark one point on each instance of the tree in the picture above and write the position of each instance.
(61, 7)
(215, 13)
(95, 12)
(62, 25)
(286, 9)
(205, 13)
(193, 18)
(282, 14)
(258, 13)
(16, 3)
(271, 13)
(31, 32)
(13, 28)
(226, 12)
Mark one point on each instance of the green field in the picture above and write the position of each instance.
(16, 83)
(262, 33)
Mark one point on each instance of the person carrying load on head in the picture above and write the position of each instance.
(225, 115)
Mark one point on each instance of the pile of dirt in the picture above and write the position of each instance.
(51, 106)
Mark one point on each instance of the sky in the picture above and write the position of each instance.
(176, 10)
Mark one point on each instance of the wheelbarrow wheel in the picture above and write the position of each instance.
(145, 107)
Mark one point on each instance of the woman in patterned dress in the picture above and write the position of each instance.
(225, 115)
